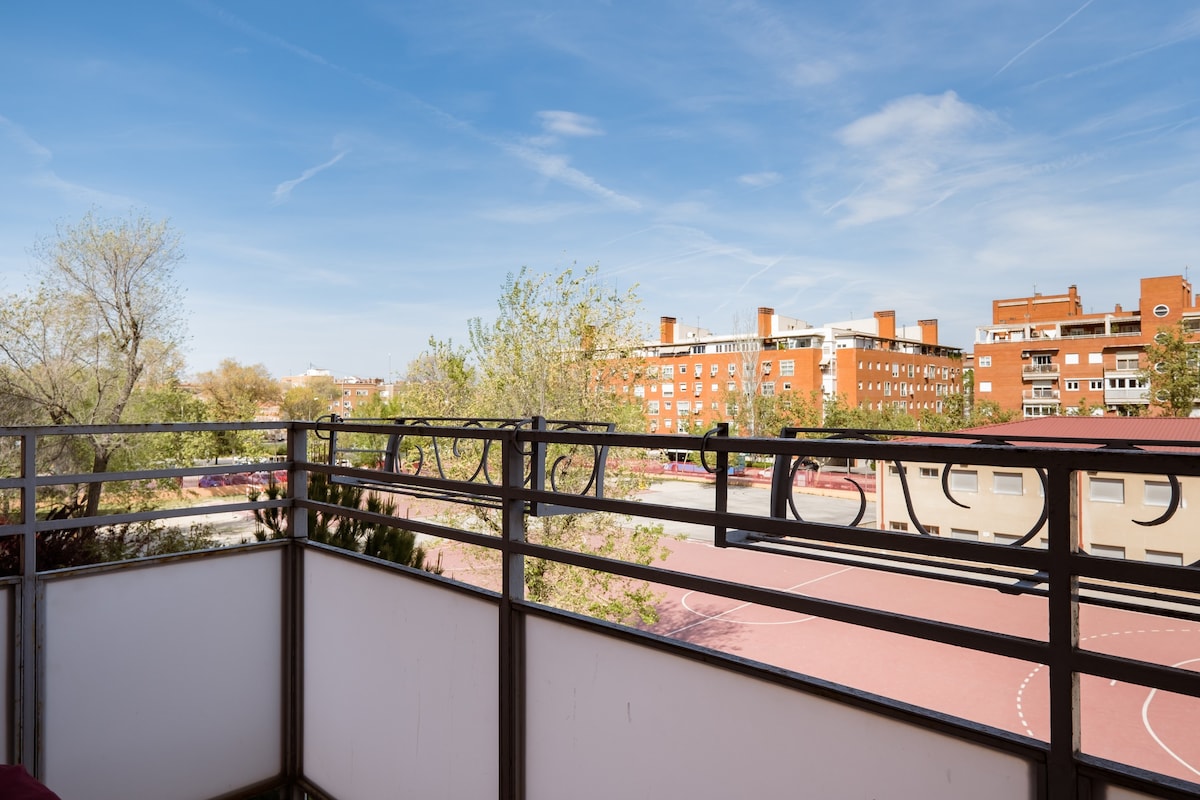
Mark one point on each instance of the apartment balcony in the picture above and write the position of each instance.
(1040, 395)
(1034, 372)
(290, 668)
(1126, 396)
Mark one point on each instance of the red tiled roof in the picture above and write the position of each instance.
(1171, 429)
(1103, 429)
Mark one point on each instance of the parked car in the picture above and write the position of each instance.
(212, 481)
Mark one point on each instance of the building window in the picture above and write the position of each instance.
(714, 387)
(895, 370)
(732, 370)
(1161, 310)
(985, 386)
(887, 388)
(897, 526)
(787, 368)
(985, 361)
(1096, 384)
(684, 407)
(766, 368)
(1095, 358)
(1072, 386)
(1127, 361)
(712, 370)
(1108, 551)
(668, 390)
(652, 407)
(639, 391)
(1005, 538)
(731, 386)
(1106, 490)
(1007, 483)
(965, 534)
(964, 480)
(697, 388)
(929, 472)
(1157, 493)
(683, 386)
(768, 388)
(668, 405)
(667, 423)
(787, 387)
(1072, 358)
(1042, 360)
(1164, 557)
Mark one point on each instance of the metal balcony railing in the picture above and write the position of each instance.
(294, 668)
(1040, 395)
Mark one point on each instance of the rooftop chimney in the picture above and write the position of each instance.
(764, 321)
(666, 330)
(887, 324)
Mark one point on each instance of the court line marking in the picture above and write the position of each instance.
(714, 617)
(1145, 705)
(1150, 730)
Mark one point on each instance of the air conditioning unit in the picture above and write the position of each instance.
(1024, 354)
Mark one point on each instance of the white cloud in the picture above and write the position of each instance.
(284, 190)
(760, 180)
(916, 117)
(24, 140)
(558, 168)
(568, 123)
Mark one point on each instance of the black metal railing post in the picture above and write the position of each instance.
(721, 501)
(293, 615)
(1063, 609)
(28, 700)
(511, 629)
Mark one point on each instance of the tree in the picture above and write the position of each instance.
(234, 392)
(1171, 371)
(440, 382)
(378, 541)
(102, 323)
(555, 349)
(310, 399)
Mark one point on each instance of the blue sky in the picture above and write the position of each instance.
(352, 178)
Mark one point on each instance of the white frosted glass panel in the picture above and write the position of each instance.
(164, 681)
(612, 719)
(7, 596)
(400, 685)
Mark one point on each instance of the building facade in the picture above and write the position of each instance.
(1001, 505)
(691, 374)
(1043, 355)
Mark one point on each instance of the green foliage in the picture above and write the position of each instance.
(1171, 371)
(557, 347)
(309, 400)
(101, 326)
(374, 539)
(440, 383)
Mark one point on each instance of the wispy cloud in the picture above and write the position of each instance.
(914, 154)
(568, 123)
(284, 190)
(760, 180)
(1043, 38)
(558, 168)
(24, 140)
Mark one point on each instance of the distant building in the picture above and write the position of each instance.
(691, 372)
(1043, 355)
(1005, 502)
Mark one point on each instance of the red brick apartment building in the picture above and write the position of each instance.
(691, 372)
(1044, 355)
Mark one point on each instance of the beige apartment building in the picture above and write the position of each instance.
(1006, 503)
